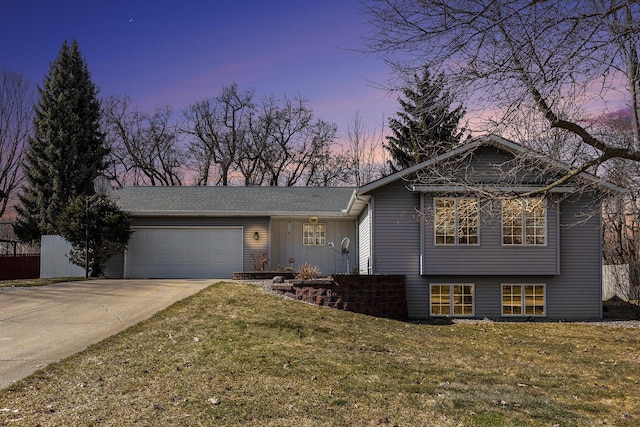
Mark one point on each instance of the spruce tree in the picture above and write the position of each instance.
(67, 150)
(427, 125)
(109, 232)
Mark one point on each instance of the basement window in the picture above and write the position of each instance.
(451, 299)
(523, 300)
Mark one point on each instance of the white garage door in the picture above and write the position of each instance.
(193, 253)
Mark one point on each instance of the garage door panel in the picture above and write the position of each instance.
(184, 253)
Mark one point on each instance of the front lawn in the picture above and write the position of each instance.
(235, 355)
(24, 283)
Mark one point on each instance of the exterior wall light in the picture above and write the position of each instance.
(256, 235)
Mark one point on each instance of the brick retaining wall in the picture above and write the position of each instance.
(374, 295)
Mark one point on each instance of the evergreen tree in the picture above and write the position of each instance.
(109, 232)
(67, 150)
(426, 126)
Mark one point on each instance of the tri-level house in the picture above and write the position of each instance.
(476, 236)
(476, 231)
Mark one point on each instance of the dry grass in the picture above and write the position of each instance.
(24, 283)
(234, 355)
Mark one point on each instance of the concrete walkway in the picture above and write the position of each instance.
(44, 324)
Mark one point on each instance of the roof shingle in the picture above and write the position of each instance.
(239, 201)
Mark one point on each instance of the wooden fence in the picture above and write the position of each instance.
(19, 267)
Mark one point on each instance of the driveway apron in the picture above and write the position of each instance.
(44, 324)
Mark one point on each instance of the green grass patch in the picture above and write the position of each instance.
(235, 355)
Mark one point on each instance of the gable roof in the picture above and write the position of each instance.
(298, 201)
(234, 201)
(487, 140)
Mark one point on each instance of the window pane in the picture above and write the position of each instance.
(314, 234)
(307, 234)
(524, 222)
(512, 222)
(523, 300)
(445, 221)
(535, 221)
(320, 234)
(456, 221)
(468, 221)
(463, 299)
(440, 300)
(511, 300)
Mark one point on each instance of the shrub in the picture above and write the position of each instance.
(260, 261)
(308, 271)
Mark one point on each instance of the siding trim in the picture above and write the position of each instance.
(422, 234)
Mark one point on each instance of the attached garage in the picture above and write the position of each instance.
(212, 232)
(189, 252)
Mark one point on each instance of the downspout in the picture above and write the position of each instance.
(370, 266)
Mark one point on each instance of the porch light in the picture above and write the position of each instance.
(256, 235)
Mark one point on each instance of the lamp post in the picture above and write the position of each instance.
(102, 188)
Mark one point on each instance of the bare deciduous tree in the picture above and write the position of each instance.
(362, 152)
(16, 120)
(621, 230)
(296, 143)
(161, 156)
(621, 216)
(144, 148)
(219, 128)
(261, 127)
(226, 137)
(533, 66)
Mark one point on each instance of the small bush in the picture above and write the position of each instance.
(308, 271)
(260, 261)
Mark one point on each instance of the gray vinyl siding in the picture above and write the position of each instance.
(364, 242)
(490, 257)
(287, 243)
(396, 241)
(487, 165)
(251, 248)
(572, 277)
(577, 292)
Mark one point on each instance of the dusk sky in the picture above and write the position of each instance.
(179, 52)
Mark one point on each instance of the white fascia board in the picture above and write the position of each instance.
(235, 214)
(488, 188)
(356, 204)
(400, 174)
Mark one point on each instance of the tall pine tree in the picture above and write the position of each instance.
(67, 150)
(426, 126)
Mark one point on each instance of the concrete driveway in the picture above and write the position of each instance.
(43, 324)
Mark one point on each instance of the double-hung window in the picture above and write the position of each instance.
(451, 299)
(524, 222)
(456, 221)
(314, 234)
(523, 300)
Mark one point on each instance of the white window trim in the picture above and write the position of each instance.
(314, 225)
(524, 228)
(522, 295)
(451, 285)
(457, 237)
